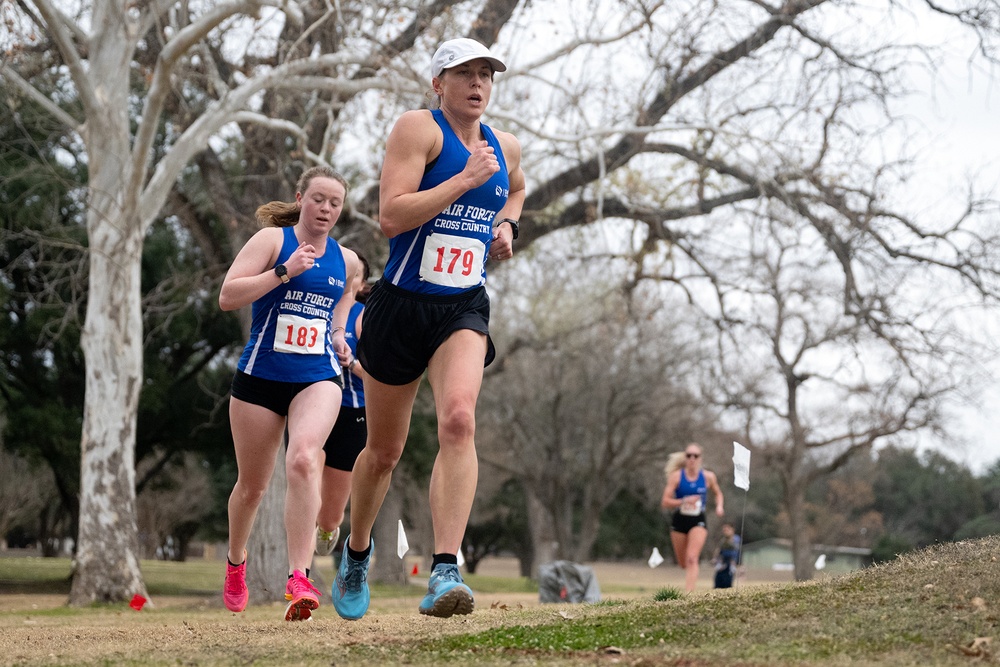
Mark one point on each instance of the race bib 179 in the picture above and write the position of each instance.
(452, 261)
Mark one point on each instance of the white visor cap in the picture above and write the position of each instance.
(457, 51)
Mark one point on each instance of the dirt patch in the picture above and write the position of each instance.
(40, 630)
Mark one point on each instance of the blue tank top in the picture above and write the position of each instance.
(354, 390)
(290, 331)
(447, 255)
(698, 487)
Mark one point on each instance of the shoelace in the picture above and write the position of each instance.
(448, 574)
(234, 581)
(299, 581)
(356, 576)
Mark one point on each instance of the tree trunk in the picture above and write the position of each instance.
(545, 546)
(801, 544)
(590, 524)
(267, 550)
(387, 567)
(525, 557)
(106, 567)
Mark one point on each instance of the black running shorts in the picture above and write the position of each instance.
(683, 523)
(274, 395)
(347, 439)
(403, 329)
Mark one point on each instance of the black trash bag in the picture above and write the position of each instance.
(565, 581)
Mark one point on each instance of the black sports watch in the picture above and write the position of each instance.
(282, 272)
(513, 224)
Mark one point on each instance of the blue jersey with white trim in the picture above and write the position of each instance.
(447, 254)
(354, 389)
(697, 487)
(290, 331)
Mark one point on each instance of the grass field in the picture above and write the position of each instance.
(940, 606)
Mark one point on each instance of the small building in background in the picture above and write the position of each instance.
(776, 554)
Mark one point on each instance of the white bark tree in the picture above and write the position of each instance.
(129, 182)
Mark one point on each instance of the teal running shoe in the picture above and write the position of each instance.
(350, 588)
(446, 594)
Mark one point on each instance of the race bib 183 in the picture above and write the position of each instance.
(300, 335)
(452, 261)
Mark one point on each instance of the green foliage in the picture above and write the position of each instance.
(190, 346)
(764, 504)
(619, 538)
(889, 547)
(982, 526)
(669, 593)
(188, 351)
(43, 256)
(214, 525)
(505, 528)
(421, 441)
(42, 375)
(924, 498)
(990, 482)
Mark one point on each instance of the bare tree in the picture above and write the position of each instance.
(593, 394)
(845, 516)
(24, 491)
(772, 216)
(170, 509)
(185, 75)
(826, 383)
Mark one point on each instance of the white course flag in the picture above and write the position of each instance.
(741, 466)
(461, 558)
(402, 546)
(655, 558)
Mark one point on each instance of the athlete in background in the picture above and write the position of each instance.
(347, 438)
(686, 492)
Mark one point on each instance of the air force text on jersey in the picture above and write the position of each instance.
(308, 303)
(471, 215)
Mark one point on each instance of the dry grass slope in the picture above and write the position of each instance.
(938, 606)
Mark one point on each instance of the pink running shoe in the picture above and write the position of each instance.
(234, 592)
(303, 597)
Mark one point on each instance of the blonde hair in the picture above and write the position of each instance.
(678, 460)
(286, 214)
(674, 463)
